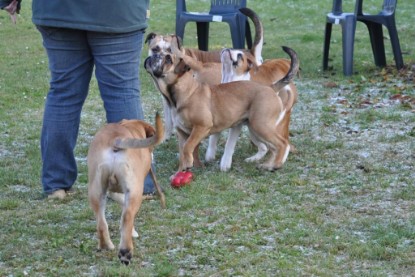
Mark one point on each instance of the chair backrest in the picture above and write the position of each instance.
(226, 6)
(389, 6)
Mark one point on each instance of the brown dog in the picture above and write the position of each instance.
(119, 159)
(211, 72)
(237, 66)
(201, 110)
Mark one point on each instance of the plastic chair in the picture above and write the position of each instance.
(220, 11)
(348, 24)
(374, 24)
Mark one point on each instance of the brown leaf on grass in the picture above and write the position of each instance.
(403, 99)
(344, 102)
(364, 103)
(330, 85)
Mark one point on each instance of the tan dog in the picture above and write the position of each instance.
(208, 68)
(119, 159)
(201, 110)
(237, 66)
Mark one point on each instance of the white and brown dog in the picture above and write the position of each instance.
(119, 159)
(206, 65)
(201, 110)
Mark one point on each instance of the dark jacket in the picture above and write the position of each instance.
(112, 16)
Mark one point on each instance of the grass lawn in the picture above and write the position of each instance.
(343, 205)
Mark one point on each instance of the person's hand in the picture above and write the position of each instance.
(12, 9)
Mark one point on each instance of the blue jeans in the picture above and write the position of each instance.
(73, 55)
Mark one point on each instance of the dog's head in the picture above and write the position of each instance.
(158, 44)
(236, 65)
(167, 68)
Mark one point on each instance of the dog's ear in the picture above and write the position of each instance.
(150, 37)
(176, 47)
(181, 68)
(252, 64)
(179, 42)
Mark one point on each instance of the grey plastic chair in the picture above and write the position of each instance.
(220, 11)
(374, 23)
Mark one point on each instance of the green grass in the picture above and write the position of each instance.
(343, 205)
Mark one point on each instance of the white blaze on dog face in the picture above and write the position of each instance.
(234, 66)
(160, 45)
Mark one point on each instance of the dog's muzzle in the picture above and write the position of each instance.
(153, 65)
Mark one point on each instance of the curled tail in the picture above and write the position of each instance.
(153, 137)
(256, 49)
(292, 72)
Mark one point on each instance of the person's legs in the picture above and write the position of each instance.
(71, 66)
(117, 63)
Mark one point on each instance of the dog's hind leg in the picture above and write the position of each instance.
(133, 200)
(226, 161)
(277, 145)
(97, 200)
(262, 148)
(119, 198)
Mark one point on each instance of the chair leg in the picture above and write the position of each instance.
(203, 35)
(376, 40)
(327, 37)
(180, 29)
(248, 35)
(396, 47)
(238, 41)
(348, 33)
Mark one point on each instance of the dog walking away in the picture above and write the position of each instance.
(201, 110)
(119, 159)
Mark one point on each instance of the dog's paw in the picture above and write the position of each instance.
(134, 234)
(225, 164)
(106, 245)
(125, 256)
(252, 159)
(268, 167)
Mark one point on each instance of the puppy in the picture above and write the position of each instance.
(237, 66)
(159, 44)
(201, 110)
(119, 159)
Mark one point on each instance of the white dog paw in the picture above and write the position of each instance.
(135, 234)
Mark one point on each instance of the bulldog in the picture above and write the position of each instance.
(208, 67)
(201, 110)
(119, 159)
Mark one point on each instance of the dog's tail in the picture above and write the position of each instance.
(292, 72)
(153, 138)
(256, 49)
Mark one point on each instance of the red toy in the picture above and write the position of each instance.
(181, 179)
